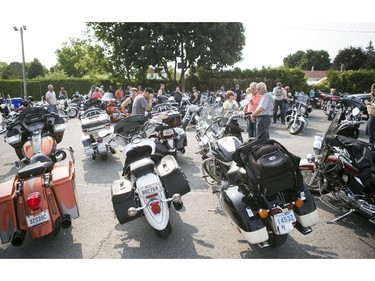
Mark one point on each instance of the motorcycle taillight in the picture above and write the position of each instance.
(33, 199)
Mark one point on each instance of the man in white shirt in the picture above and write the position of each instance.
(51, 99)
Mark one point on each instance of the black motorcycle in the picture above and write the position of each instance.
(264, 194)
(343, 168)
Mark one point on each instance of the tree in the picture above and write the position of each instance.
(13, 71)
(3, 67)
(35, 69)
(317, 60)
(78, 58)
(134, 47)
(350, 59)
(370, 54)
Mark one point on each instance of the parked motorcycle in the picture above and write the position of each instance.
(151, 182)
(264, 195)
(98, 138)
(40, 198)
(297, 119)
(168, 135)
(36, 130)
(191, 115)
(344, 168)
(216, 144)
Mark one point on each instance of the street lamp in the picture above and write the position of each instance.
(21, 29)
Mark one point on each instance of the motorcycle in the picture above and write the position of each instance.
(168, 136)
(40, 199)
(344, 168)
(36, 130)
(151, 182)
(97, 136)
(191, 115)
(264, 195)
(216, 144)
(297, 119)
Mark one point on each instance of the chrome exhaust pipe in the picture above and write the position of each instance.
(66, 221)
(18, 237)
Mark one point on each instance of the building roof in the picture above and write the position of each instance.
(316, 74)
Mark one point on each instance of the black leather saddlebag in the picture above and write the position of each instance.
(122, 199)
(172, 177)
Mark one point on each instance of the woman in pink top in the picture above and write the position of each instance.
(253, 97)
(97, 94)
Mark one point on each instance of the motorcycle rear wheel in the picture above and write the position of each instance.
(277, 240)
(164, 234)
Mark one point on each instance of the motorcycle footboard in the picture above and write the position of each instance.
(8, 221)
(251, 226)
(172, 177)
(122, 194)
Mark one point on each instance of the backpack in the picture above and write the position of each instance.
(270, 167)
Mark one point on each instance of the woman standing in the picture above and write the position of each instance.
(230, 104)
(370, 126)
(253, 98)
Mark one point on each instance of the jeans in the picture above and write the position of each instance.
(263, 124)
(251, 128)
(52, 108)
(370, 129)
(279, 104)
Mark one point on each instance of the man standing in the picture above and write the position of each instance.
(263, 114)
(279, 95)
(238, 93)
(51, 99)
(143, 102)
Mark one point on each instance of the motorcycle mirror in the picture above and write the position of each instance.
(176, 198)
(355, 111)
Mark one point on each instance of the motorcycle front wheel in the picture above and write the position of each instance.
(185, 123)
(209, 166)
(72, 112)
(311, 184)
(296, 127)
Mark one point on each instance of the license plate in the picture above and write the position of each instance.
(34, 220)
(148, 190)
(284, 221)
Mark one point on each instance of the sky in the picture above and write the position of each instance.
(271, 34)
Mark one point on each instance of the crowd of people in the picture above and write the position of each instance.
(264, 108)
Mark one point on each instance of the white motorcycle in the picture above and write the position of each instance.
(151, 182)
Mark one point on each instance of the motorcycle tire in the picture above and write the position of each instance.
(62, 113)
(185, 123)
(72, 112)
(164, 234)
(277, 240)
(104, 157)
(55, 231)
(296, 128)
(208, 167)
(314, 186)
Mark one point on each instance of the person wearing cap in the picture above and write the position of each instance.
(279, 95)
(127, 105)
(143, 102)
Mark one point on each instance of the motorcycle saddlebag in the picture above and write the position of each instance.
(63, 184)
(172, 177)
(122, 199)
(252, 227)
(8, 222)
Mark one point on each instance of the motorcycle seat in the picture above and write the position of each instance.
(142, 167)
(35, 169)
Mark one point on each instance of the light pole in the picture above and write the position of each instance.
(21, 29)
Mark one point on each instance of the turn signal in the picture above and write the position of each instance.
(298, 203)
(33, 199)
(263, 213)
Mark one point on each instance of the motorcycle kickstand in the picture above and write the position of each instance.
(343, 216)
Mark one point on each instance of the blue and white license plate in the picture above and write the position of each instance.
(34, 220)
(284, 221)
(151, 189)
